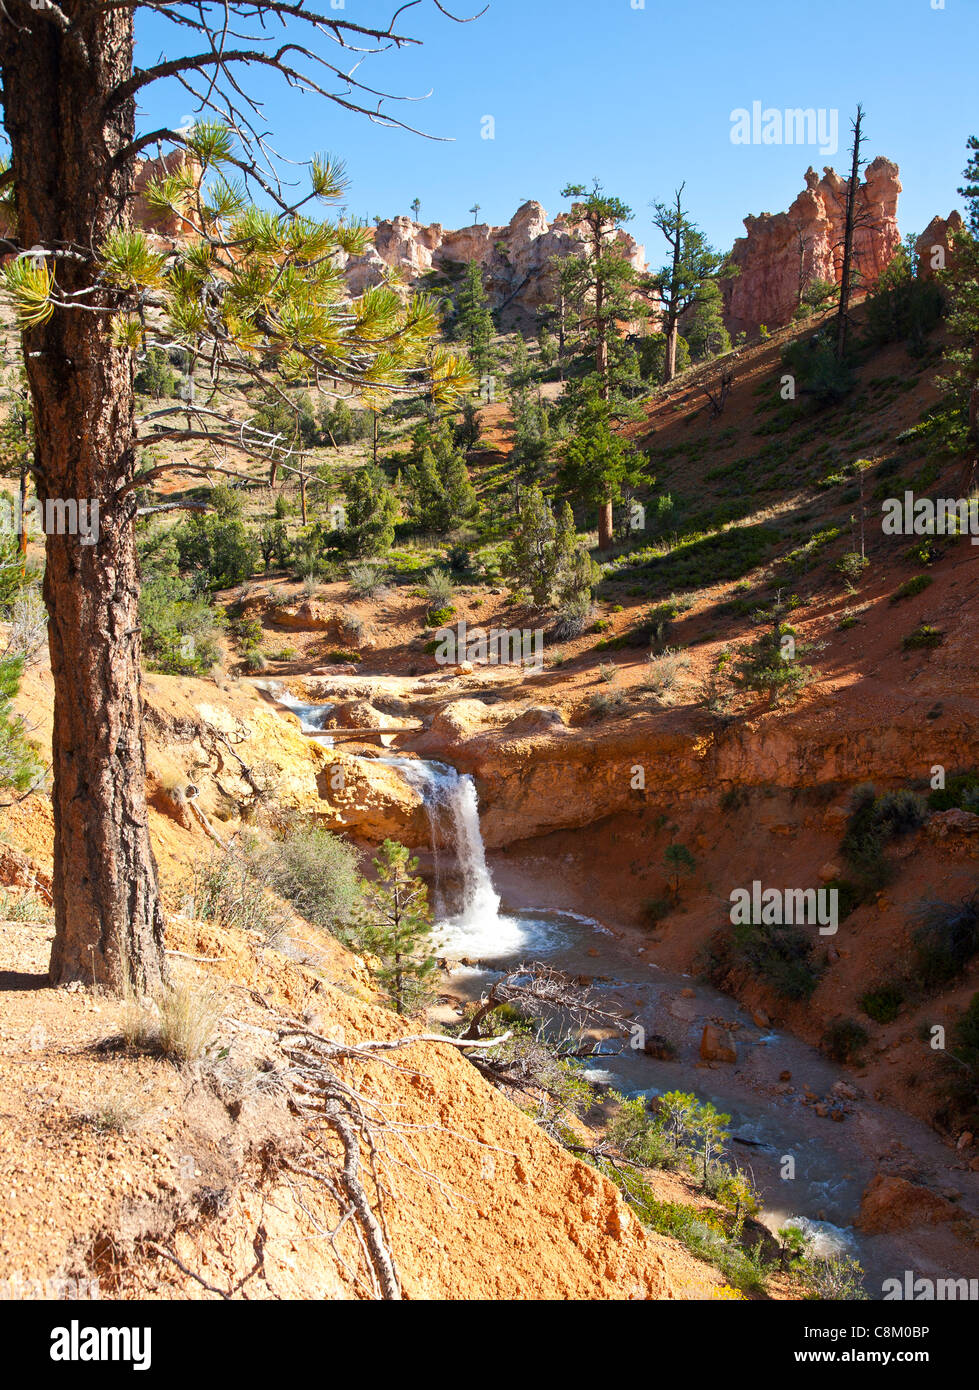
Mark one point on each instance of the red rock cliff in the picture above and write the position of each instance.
(786, 251)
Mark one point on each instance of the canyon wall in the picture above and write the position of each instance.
(515, 259)
(786, 251)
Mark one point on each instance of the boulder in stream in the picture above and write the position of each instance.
(716, 1046)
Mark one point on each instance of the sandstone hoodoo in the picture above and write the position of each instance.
(518, 260)
(786, 252)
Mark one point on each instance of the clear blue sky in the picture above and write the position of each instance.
(640, 98)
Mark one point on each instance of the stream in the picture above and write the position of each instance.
(482, 931)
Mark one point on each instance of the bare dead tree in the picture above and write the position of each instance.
(537, 988)
(850, 221)
(325, 1099)
(718, 396)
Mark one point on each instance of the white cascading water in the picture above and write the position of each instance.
(311, 717)
(476, 928)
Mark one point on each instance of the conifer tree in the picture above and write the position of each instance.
(396, 924)
(371, 511)
(683, 282)
(474, 322)
(599, 288)
(442, 495)
(598, 464)
(961, 378)
(545, 559)
(248, 293)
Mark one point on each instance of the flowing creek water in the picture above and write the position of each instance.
(311, 717)
(481, 933)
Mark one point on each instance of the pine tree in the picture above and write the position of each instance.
(372, 509)
(598, 463)
(442, 495)
(474, 322)
(599, 288)
(576, 574)
(533, 436)
(961, 280)
(683, 281)
(20, 766)
(396, 926)
(545, 559)
(156, 376)
(521, 372)
(247, 293)
(703, 325)
(547, 349)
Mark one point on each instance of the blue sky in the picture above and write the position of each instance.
(639, 97)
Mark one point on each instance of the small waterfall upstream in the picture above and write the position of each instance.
(311, 717)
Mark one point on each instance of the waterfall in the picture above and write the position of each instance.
(453, 816)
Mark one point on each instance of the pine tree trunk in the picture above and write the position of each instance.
(108, 922)
(605, 526)
(673, 312)
(669, 362)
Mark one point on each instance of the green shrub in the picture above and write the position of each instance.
(246, 633)
(663, 670)
(226, 889)
(768, 664)
(817, 370)
(316, 871)
(601, 704)
(655, 909)
(216, 547)
(852, 565)
(782, 955)
(20, 766)
(961, 792)
(883, 1002)
(844, 1040)
(963, 1065)
(572, 618)
(924, 637)
(902, 306)
(340, 655)
(439, 589)
(179, 627)
(874, 822)
(156, 376)
(367, 579)
(945, 941)
(915, 585)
